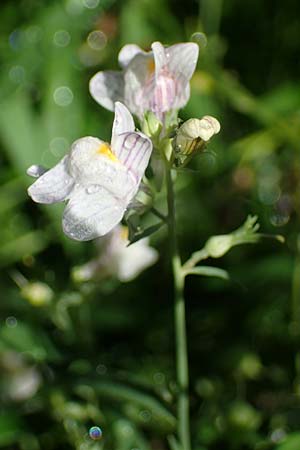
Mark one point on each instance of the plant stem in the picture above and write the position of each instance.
(180, 325)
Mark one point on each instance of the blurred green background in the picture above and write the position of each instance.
(88, 354)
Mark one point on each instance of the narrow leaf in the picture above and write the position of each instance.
(208, 271)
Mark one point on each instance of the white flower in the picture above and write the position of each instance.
(116, 258)
(156, 81)
(98, 180)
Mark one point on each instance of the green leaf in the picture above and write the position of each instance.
(208, 271)
(10, 428)
(160, 416)
(22, 338)
(136, 235)
(291, 442)
(173, 443)
(27, 244)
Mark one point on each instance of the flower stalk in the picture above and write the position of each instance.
(180, 321)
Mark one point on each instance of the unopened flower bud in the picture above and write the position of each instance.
(194, 133)
(151, 125)
(217, 246)
(37, 293)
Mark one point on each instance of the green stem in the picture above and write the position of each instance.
(180, 325)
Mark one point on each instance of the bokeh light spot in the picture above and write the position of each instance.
(95, 433)
(61, 38)
(59, 146)
(17, 74)
(97, 40)
(11, 322)
(90, 4)
(63, 96)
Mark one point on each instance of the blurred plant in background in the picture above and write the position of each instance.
(87, 354)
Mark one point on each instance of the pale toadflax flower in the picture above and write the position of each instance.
(98, 179)
(156, 81)
(116, 258)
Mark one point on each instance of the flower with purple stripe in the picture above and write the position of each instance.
(97, 179)
(156, 81)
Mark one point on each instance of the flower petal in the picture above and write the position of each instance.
(54, 185)
(107, 88)
(36, 171)
(160, 58)
(182, 60)
(123, 122)
(134, 259)
(139, 83)
(134, 151)
(127, 53)
(91, 215)
(93, 164)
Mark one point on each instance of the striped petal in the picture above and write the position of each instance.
(182, 61)
(160, 58)
(54, 185)
(139, 83)
(91, 215)
(127, 53)
(134, 151)
(123, 122)
(107, 88)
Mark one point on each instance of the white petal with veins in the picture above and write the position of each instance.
(54, 185)
(134, 151)
(123, 122)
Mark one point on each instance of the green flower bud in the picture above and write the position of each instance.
(151, 125)
(217, 246)
(37, 293)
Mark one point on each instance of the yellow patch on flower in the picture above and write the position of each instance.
(124, 233)
(151, 66)
(105, 150)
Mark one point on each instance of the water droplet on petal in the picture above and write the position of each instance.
(130, 141)
(92, 189)
(36, 171)
(95, 433)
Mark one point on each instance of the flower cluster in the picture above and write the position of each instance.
(99, 180)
